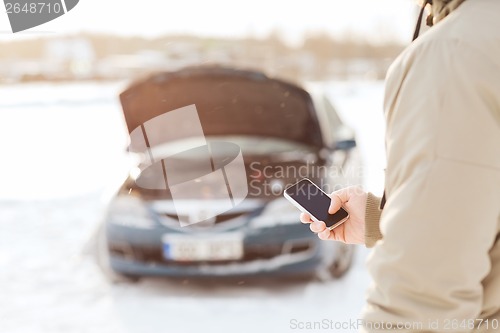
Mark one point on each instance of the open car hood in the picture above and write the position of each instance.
(228, 102)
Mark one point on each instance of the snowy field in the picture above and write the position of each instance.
(61, 151)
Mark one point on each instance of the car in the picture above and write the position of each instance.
(284, 133)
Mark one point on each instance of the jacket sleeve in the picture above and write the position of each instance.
(442, 184)
(372, 220)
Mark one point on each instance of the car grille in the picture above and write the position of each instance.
(153, 255)
(218, 219)
(168, 216)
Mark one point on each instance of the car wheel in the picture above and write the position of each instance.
(102, 260)
(336, 267)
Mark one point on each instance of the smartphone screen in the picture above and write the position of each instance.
(315, 201)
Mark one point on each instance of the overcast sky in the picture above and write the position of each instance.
(373, 20)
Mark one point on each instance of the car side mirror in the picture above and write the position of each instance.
(345, 145)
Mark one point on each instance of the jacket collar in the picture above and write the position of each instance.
(441, 8)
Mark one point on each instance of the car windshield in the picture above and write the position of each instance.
(229, 105)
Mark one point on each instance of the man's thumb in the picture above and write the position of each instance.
(335, 204)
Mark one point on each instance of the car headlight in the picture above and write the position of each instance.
(130, 211)
(278, 211)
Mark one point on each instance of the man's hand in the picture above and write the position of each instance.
(351, 231)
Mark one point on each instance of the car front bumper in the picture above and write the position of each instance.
(280, 250)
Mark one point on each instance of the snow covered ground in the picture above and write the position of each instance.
(61, 147)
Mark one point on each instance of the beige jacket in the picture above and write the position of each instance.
(436, 258)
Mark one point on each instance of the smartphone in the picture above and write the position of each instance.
(309, 198)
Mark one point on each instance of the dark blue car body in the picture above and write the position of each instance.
(141, 225)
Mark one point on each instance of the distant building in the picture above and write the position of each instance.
(68, 57)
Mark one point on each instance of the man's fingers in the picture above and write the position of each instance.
(325, 234)
(335, 234)
(305, 218)
(317, 226)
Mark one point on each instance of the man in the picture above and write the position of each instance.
(436, 258)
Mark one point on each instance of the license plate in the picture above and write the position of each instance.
(228, 246)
